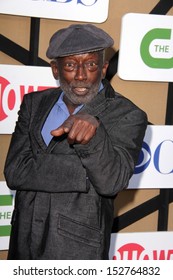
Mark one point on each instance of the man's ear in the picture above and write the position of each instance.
(54, 67)
(104, 69)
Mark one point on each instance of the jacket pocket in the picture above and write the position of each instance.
(79, 232)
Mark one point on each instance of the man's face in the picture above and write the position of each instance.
(80, 76)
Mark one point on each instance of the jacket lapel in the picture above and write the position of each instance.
(45, 107)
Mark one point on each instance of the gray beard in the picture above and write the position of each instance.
(76, 99)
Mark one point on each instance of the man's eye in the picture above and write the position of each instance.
(91, 66)
(91, 63)
(69, 65)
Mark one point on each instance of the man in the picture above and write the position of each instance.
(74, 148)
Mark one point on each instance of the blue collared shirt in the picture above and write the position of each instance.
(58, 114)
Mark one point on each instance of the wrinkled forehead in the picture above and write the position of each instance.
(89, 55)
(96, 56)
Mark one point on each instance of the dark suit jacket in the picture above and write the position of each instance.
(65, 193)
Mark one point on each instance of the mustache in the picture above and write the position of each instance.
(80, 84)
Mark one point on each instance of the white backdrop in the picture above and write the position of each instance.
(142, 246)
(155, 167)
(15, 81)
(78, 10)
(146, 48)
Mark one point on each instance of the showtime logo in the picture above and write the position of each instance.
(11, 96)
(134, 251)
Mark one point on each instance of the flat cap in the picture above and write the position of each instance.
(77, 39)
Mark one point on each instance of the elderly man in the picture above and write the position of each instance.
(74, 148)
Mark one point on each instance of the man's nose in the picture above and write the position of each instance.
(81, 72)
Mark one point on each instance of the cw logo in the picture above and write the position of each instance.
(5, 201)
(163, 48)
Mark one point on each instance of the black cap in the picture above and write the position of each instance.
(77, 39)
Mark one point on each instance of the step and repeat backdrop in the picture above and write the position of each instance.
(149, 40)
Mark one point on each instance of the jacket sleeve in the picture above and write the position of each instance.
(110, 157)
(39, 170)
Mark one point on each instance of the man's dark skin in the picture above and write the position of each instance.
(80, 77)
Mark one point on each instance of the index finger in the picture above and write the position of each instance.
(58, 132)
(64, 128)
